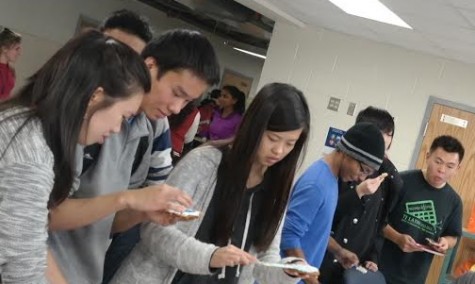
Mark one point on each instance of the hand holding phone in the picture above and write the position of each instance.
(441, 245)
(432, 242)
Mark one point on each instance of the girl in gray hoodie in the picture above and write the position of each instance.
(81, 95)
(242, 192)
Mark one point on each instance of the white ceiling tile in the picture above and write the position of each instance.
(434, 12)
(451, 44)
(466, 4)
(441, 27)
(448, 32)
(462, 54)
(469, 15)
(412, 40)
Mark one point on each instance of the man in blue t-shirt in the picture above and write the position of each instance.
(312, 204)
(428, 208)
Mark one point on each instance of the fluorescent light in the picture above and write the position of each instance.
(370, 9)
(250, 53)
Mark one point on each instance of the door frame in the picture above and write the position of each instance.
(430, 103)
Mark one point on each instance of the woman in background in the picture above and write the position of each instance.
(226, 119)
(10, 50)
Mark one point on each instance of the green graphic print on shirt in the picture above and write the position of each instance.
(422, 211)
(422, 215)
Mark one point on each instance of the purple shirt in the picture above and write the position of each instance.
(224, 127)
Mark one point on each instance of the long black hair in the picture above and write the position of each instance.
(58, 95)
(277, 107)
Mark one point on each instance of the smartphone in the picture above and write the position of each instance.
(300, 267)
(362, 269)
(432, 242)
(188, 214)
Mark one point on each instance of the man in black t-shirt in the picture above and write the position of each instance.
(428, 208)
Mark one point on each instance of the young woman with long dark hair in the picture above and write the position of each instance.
(242, 191)
(81, 95)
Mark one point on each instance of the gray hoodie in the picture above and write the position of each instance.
(163, 250)
(26, 180)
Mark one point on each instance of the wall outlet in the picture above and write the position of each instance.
(333, 103)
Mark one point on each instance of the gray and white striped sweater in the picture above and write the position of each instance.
(26, 180)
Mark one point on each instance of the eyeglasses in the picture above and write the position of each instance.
(365, 170)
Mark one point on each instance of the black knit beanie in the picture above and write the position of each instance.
(363, 142)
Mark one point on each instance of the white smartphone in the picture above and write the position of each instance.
(188, 214)
(302, 268)
(432, 242)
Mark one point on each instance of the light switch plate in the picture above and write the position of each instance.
(333, 103)
(351, 109)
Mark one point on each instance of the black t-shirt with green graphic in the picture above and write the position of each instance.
(422, 212)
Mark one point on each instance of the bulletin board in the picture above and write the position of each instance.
(333, 137)
(233, 78)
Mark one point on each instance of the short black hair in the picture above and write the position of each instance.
(381, 118)
(129, 22)
(449, 144)
(186, 50)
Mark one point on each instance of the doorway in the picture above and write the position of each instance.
(444, 117)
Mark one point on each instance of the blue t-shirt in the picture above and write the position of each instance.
(310, 213)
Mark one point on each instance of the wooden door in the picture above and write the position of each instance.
(446, 120)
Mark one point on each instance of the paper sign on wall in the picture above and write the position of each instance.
(454, 120)
(333, 137)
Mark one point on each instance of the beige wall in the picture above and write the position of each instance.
(47, 24)
(323, 64)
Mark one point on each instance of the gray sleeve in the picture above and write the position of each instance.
(176, 245)
(175, 248)
(24, 192)
(268, 275)
(195, 174)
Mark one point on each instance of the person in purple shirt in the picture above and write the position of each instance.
(226, 120)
